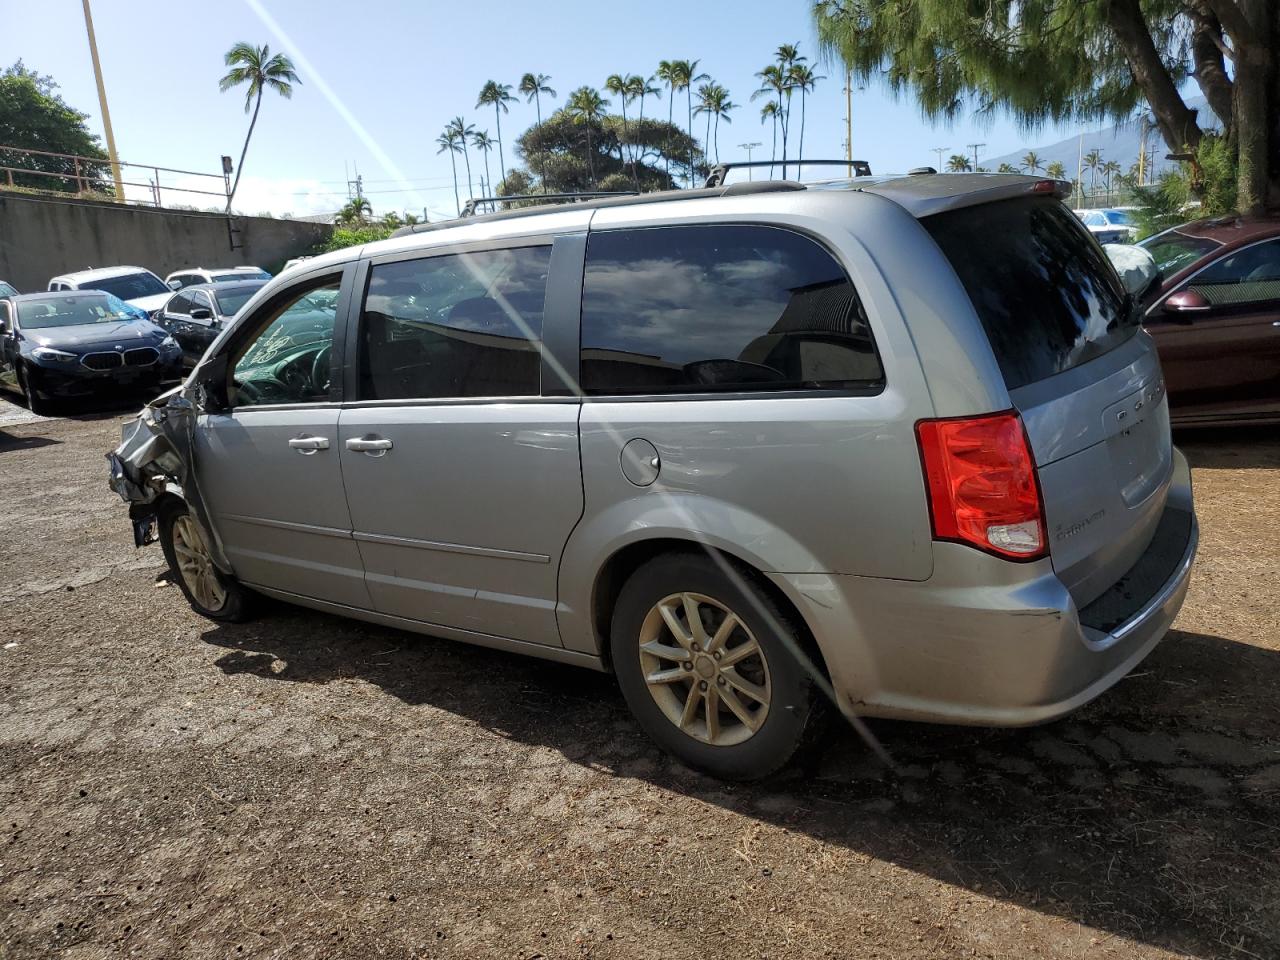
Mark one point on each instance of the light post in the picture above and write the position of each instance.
(102, 103)
(940, 151)
(749, 147)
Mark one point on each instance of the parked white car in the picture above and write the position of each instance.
(136, 286)
(193, 275)
(1110, 224)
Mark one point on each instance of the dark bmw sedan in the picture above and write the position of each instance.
(1216, 319)
(197, 314)
(75, 342)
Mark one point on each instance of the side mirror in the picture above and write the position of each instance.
(210, 389)
(175, 284)
(1185, 304)
(1136, 267)
(201, 313)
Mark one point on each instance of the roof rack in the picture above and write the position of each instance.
(857, 168)
(469, 208)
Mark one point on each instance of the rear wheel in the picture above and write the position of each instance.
(211, 593)
(707, 662)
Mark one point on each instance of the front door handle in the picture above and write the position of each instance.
(307, 446)
(373, 446)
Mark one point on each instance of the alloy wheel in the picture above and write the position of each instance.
(195, 565)
(704, 669)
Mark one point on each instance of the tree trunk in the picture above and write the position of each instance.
(800, 149)
(1177, 123)
(1210, 68)
(635, 148)
(773, 151)
(466, 155)
(240, 167)
(1253, 26)
(537, 105)
(497, 115)
(689, 96)
(671, 108)
(453, 162)
(487, 176)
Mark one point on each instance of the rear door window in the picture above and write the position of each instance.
(701, 309)
(457, 325)
(1044, 290)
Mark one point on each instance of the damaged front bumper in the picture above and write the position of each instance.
(155, 461)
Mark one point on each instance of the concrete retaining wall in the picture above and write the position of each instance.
(41, 238)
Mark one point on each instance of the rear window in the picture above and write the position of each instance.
(1045, 292)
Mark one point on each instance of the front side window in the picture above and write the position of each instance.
(288, 361)
(720, 308)
(460, 325)
(1248, 275)
(179, 304)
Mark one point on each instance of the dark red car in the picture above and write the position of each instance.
(1216, 319)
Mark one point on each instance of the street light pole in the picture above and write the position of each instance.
(749, 147)
(102, 103)
(940, 151)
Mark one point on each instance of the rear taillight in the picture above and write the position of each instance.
(982, 484)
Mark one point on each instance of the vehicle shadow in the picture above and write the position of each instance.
(1152, 813)
(1230, 447)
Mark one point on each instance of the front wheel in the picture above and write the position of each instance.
(210, 593)
(35, 403)
(711, 667)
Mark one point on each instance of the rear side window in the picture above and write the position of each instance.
(1045, 292)
(461, 325)
(693, 309)
(1248, 275)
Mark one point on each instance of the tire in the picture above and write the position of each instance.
(220, 598)
(35, 403)
(737, 747)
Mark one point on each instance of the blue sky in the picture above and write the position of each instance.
(382, 77)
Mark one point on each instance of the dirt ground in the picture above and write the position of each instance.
(304, 786)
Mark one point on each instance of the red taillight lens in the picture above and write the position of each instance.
(982, 485)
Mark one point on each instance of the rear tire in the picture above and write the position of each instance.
(210, 592)
(725, 692)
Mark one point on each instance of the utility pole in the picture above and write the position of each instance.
(749, 147)
(940, 151)
(102, 104)
(974, 147)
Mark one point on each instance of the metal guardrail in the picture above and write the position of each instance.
(79, 171)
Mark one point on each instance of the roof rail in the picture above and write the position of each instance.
(857, 168)
(469, 208)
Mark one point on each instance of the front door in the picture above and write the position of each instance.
(8, 347)
(268, 466)
(1223, 360)
(463, 482)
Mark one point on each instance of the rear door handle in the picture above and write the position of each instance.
(308, 445)
(373, 446)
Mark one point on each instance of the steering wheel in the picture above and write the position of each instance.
(320, 370)
(246, 389)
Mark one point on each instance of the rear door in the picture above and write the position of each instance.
(1081, 372)
(269, 464)
(1224, 360)
(463, 479)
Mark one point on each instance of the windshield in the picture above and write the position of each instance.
(1173, 251)
(71, 312)
(131, 286)
(1120, 217)
(1045, 292)
(230, 302)
(7, 290)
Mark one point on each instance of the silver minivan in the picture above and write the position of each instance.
(896, 442)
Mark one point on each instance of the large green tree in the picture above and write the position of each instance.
(33, 116)
(573, 152)
(1080, 60)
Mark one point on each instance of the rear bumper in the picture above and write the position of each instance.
(992, 643)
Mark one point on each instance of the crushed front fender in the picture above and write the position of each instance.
(156, 459)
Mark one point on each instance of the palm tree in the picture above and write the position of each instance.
(260, 70)
(354, 211)
(686, 72)
(533, 86)
(1006, 168)
(713, 100)
(770, 112)
(484, 143)
(670, 75)
(773, 83)
(1056, 170)
(586, 106)
(1031, 162)
(803, 78)
(619, 85)
(1093, 163)
(1109, 170)
(499, 95)
(787, 56)
(959, 163)
(462, 131)
(449, 141)
(638, 87)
